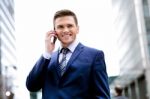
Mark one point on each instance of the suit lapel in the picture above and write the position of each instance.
(75, 54)
(55, 56)
(54, 61)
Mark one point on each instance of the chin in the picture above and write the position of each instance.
(67, 42)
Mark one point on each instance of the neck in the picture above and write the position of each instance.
(65, 45)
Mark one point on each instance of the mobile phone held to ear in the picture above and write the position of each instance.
(54, 38)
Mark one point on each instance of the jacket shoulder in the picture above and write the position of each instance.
(92, 49)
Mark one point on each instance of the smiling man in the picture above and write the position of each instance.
(74, 71)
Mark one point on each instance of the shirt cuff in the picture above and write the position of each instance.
(47, 55)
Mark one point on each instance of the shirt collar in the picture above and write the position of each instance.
(72, 46)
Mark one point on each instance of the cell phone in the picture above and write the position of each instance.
(54, 38)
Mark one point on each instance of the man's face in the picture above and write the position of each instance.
(66, 29)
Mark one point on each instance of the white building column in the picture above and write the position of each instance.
(143, 41)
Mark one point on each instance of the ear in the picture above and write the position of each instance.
(77, 29)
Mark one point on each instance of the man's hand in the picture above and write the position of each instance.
(49, 45)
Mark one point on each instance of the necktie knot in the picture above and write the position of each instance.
(64, 50)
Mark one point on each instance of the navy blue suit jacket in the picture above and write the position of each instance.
(84, 78)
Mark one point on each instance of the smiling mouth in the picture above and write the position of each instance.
(66, 35)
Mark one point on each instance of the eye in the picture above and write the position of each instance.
(59, 27)
(69, 25)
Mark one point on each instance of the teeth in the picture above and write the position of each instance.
(66, 35)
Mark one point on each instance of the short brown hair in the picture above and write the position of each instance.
(65, 12)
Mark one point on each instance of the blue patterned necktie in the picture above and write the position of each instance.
(63, 62)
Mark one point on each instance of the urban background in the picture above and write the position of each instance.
(131, 24)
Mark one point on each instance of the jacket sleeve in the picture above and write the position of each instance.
(35, 78)
(100, 78)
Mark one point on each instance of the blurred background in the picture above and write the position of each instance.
(121, 28)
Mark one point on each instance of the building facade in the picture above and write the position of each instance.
(8, 58)
(132, 26)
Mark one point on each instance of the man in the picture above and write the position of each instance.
(119, 90)
(84, 74)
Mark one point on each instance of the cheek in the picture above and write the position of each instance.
(58, 33)
(59, 37)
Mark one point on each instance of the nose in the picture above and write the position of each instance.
(65, 30)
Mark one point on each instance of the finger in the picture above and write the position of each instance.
(50, 33)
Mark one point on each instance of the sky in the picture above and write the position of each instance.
(33, 18)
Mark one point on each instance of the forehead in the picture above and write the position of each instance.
(63, 19)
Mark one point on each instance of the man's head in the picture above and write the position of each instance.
(66, 26)
(118, 90)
